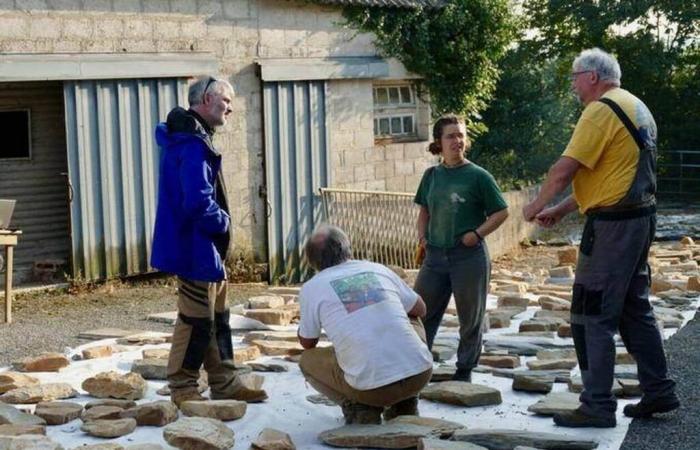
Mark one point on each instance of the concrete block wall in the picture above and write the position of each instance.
(236, 32)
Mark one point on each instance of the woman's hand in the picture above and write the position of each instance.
(470, 239)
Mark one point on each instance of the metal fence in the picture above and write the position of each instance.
(381, 225)
(679, 174)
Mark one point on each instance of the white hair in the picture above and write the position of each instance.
(601, 62)
(205, 85)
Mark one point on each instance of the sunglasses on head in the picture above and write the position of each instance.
(209, 83)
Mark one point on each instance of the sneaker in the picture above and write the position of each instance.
(359, 414)
(178, 396)
(647, 409)
(408, 407)
(462, 375)
(579, 419)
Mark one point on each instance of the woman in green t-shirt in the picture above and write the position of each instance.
(460, 204)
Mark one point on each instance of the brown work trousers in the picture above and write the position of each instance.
(202, 309)
(322, 371)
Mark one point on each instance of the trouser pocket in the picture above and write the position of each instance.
(587, 238)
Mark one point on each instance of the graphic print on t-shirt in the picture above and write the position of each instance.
(358, 291)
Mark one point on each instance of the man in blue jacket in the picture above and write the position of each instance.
(191, 240)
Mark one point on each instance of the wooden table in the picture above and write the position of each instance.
(8, 238)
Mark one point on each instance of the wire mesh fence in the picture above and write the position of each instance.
(381, 225)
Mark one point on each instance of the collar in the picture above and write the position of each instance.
(210, 130)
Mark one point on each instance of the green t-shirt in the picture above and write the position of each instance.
(458, 200)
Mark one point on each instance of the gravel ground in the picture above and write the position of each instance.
(51, 321)
(677, 429)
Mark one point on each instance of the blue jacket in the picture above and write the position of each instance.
(191, 233)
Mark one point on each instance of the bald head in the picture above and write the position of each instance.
(328, 246)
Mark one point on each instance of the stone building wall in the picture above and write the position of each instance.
(236, 32)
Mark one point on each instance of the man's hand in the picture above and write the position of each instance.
(548, 217)
(470, 239)
(531, 210)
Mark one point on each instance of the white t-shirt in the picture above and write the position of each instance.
(362, 306)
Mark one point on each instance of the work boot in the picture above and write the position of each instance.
(357, 413)
(647, 409)
(579, 419)
(186, 394)
(408, 407)
(462, 375)
(238, 390)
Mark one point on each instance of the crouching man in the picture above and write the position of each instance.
(379, 358)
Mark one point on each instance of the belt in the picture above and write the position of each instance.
(622, 214)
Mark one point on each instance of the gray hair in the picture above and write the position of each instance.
(601, 62)
(328, 246)
(205, 85)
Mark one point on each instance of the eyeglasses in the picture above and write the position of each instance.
(573, 75)
(209, 83)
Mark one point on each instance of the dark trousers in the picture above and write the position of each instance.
(464, 272)
(611, 292)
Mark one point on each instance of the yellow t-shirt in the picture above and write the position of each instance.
(607, 151)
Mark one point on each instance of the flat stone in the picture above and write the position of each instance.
(146, 338)
(169, 317)
(158, 413)
(265, 302)
(441, 444)
(247, 353)
(279, 348)
(271, 316)
(19, 430)
(518, 287)
(289, 336)
(441, 428)
(98, 351)
(58, 413)
(624, 358)
(576, 386)
(508, 439)
(284, 290)
(513, 301)
(104, 446)
(543, 334)
(541, 324)
(109, 428)
(389, 435)
(529, 383)
(506, 361)
(442, 352)
(560, 376)
(564, 330)
(561, 272)
(151, 369)
(224, 410)
(552, 364)
(497, 320)
(130, 386)
(238, 322)
(13, 416)
(45, 362)
(198, 433)
(630, 388)
(267, 367)
(101, 413)
(442, 373)
(28, 442)
(555, 403)
(14, 380)
(564, 353)
(271, 439)
(320, 399)
(545, 313)
(693, 283)
(143, 447)
(124, 404)
(567, 256)
(461, 393)
(107, 333)
(155, 353)
(554, 303)
(39, 393)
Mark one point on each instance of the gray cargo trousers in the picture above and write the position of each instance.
(611, 293)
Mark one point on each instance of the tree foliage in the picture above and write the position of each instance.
(455, 48)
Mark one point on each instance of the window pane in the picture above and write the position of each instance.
(374, 96)
(14, 126)
(376, 127)
(384, 126)
(406, 95)
(394, 95)
(396, 125)
(408, 124)
(382, 97)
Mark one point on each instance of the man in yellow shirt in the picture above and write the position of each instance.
(611, 162)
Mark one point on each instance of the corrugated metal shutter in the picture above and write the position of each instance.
(113, 167)
(37, 184)
(296, 160)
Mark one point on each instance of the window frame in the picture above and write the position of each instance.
(29, 135)
(400, 109)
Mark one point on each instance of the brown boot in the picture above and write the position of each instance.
(408, 407)
(357, 413)
(239, 389)
(180, 395)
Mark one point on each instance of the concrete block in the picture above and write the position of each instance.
(65, 5)
(183, 6)
(210, 7)
(77, 28)
(156, 6)
(138, 28)
(14, 27)
(130, 6)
